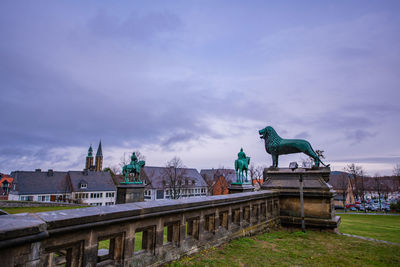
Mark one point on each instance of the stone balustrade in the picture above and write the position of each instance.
(167, 229)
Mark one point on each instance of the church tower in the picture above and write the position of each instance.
(89, 159)
(99, 159)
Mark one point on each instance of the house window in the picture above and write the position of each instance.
(110, 194)
(27, 198)
(160, 194)
(83, 186)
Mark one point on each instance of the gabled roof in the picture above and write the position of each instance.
(96, 181)
(229, 174)
(156, 175)
(38, 182)
(6, 178)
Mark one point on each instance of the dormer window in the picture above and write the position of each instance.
(82, 184)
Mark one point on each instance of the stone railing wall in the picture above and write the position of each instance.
(73, 237)
(19, 204)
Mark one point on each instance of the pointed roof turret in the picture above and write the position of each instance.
(99, 151)
(90, 151)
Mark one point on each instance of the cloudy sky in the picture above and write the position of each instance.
(198, 79)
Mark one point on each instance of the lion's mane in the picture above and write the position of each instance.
(273, 141)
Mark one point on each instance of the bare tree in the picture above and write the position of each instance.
(396, 177)
(310, 160)
(379, 187)
(256, 174)
(216, 181)
(357, 182)
(396, 170)
(174, 177)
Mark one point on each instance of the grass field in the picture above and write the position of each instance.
(284, 248)
(375, 226)
(313, 248)
(38, 209)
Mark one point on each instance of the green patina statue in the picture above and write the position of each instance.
(241, 165)
(133, 168)
(275, 145)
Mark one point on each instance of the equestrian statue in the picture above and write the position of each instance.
(275, 145)
(134, 167)
(242, 165)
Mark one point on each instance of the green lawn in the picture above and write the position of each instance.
(375, 226)
(38, 209)
(283, 248)
(313, 248)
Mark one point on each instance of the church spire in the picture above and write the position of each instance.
(99, 150)
(89, 159)
(99, 159)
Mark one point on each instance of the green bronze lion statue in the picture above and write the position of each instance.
(275, 145)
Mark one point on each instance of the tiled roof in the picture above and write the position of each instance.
(229, 174)
(96, 181)
(38, 182)
(156, 176)
(6, 178)
(55, 182)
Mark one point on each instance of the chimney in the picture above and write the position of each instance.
(50, 172)
(38, 170)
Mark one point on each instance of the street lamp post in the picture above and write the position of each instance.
(293, 166)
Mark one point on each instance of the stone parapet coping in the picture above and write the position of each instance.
(43, 224)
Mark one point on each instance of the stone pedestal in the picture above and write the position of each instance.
(127, 193)
(318, 196)
(240, 188)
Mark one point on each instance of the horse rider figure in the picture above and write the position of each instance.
(241, 165)
(242, 157)
(133, 167)
(134, 159)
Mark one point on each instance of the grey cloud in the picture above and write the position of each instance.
(180, 137)
(388, 160)
(358, 135)
(302, 135)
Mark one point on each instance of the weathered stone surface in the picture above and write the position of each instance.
(192, 224)
(15, 204)
(19, 225)
(318, 196)
(129, 193)
(240, 188)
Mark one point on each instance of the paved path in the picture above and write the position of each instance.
(371, 239)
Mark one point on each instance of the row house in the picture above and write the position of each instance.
(82, 187)
(169, 183)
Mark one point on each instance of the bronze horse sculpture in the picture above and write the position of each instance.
(133, 167)
(240, 167)
(275, 145)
